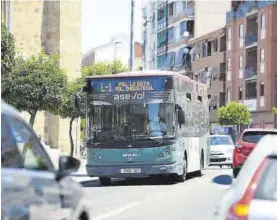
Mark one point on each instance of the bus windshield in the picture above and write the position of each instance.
(131, 121)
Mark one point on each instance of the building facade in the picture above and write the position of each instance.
(117, 49)
(251, 78)
(208, 66)
(56, 27)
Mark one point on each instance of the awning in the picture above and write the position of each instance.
(180, 57)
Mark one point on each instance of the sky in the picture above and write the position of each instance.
(102, 19)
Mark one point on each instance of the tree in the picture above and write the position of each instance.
(67, 108)
(101, 68)
(7, 58)
(274, 110)
(234, 113)
(37, 84)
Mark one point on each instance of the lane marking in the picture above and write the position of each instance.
(116, 211)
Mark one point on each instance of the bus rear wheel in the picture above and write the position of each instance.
(199, 172)
(105, 181)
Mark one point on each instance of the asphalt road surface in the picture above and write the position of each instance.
(144, 199)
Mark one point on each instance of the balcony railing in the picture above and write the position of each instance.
(251, 38)
(186, 12)
(250, 72)
(246, 8)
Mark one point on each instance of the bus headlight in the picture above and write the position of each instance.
(165, 153)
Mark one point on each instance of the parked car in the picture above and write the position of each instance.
(246, 143)
(31, 187)
(221, 150)
(253, 195)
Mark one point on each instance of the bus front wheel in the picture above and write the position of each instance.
(105, 181)
(183, 176)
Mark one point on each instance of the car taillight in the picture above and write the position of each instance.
(240, 210)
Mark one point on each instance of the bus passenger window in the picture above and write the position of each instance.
(199, 98)
(188, 96)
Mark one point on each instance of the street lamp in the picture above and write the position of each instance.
(115, 43)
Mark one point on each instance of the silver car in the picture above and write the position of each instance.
(221, 150)
(253, 195)
(31, 187)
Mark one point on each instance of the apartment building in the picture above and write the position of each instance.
(56, 27)
(251, 77)
(208, 66)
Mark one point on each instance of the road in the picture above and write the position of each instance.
(145, 199)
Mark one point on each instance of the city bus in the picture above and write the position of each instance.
(146, 123)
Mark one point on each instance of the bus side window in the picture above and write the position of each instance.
(199, 98)
(188, 95)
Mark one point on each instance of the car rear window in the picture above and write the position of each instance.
(255, 136)
(267, 187)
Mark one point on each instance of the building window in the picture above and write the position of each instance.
(263, 21)
(251, 90)
(240, 62)
(215, 45)
(182, 28)
(262, 89)
(171, 9)
(262, 58)
(170, 34)
(241, 31)
(240, 93)
(207, 49)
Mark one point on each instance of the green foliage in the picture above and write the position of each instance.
(274, 110)
(37, 84)
(67, 108)
(7, 58)
(234, 113)
(101, 68)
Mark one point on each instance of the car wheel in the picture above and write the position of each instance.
(105, 181)
(235, 172)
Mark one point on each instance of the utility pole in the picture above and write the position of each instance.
(132, 35)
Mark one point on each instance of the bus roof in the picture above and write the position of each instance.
(141, 73)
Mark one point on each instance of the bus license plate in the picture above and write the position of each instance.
(130, 170)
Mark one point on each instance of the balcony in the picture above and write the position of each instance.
(247, 8)
(188, 12)
(250, 72)
(251, 39)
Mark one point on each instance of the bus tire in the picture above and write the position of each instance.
(105, 181)
(182, 177)
(199, 172)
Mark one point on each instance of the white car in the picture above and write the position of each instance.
(253, 195)
(221, 150)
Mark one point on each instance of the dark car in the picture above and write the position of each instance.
(246, 143)
(31, 187)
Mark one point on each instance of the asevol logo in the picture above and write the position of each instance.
(134, 96)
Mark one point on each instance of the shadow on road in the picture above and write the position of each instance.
(78, 175)
(137, 181)
(223, 180)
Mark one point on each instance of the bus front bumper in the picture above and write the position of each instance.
(121, 171)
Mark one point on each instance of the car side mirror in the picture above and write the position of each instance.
(67, 165)
(181, 117)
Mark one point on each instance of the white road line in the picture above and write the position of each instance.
(117, 211)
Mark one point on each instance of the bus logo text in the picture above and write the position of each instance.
(135, 96)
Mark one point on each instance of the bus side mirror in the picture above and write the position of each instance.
(181, 117)
(78, 103)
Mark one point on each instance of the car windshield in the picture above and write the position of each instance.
(255, 136)
(220, 141)
(131, 121)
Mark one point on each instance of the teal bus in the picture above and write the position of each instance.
(146, 123)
